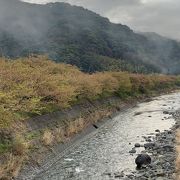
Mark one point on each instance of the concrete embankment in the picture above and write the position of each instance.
(118, 134)
(93, 114)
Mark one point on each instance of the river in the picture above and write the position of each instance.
(106, 151)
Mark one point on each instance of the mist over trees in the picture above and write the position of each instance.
(81, 37)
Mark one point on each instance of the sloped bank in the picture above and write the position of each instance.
(163, 151)
(93, 114)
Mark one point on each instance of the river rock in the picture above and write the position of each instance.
(119, 175)
(160, 172)
(132, 151)
(149, 145)
(162, 151)
(137, 145)
(165, 112)
(148, 140)
(167, 166)
(168, 148)
(142, 159)
(137, 113)
(108, 174)
(144, 152)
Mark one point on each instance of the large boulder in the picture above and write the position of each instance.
(142, 159)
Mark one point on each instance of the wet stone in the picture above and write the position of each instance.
(118, 175)
(137, 113)
(107, 174)
(132, 151)
(165, 112)
(149, 145)
(160, 172)
(137, 145)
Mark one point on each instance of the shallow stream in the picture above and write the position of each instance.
(107, 151)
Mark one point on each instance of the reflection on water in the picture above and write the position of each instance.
(107, 151)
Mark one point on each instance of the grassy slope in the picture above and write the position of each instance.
(35, 86)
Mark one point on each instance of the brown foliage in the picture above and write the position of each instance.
(36, 85)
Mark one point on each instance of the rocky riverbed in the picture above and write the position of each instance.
(161, 148)
(109, 152)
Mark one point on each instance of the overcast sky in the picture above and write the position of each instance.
(161, 16)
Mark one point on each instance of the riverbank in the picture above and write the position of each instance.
(163, 147)
(93, 114)
(178, 153)
(45, 103)
(130, 117)
(45, 156)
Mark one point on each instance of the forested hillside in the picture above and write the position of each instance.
(80, 37)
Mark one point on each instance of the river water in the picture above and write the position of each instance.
(107, 150)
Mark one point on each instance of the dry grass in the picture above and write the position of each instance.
(20, 147)
(11, 162)
(73, 127)
(96, 116)
(63, 133)
(47, 138)
(81, 123)
(59, 134)
(178, 154)
(12, 166)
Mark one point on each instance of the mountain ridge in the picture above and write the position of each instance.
(78, 36)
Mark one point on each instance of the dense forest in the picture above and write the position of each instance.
(83, 38)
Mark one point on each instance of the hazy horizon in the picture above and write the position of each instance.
(159, 16)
